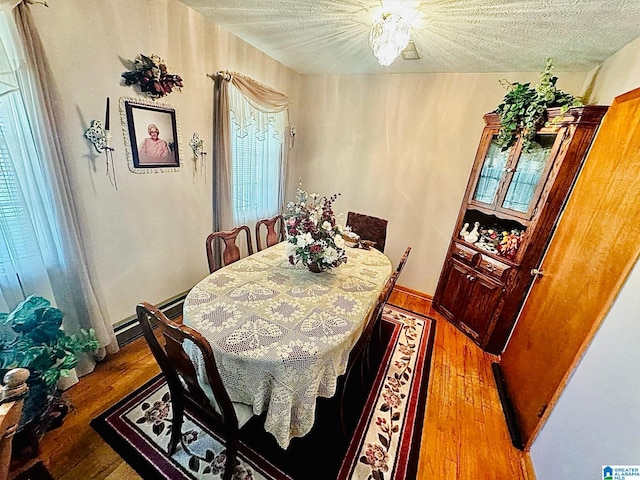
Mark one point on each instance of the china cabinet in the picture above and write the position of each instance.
(513, 200)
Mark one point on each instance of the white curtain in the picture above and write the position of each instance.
(261, 112)
(40, 246)
(257, 140)
(22, 266)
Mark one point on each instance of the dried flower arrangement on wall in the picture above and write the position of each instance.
(151, 74)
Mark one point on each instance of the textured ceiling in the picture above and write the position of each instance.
(331, 36)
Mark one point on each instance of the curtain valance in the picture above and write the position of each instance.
(261, 97)
(11, 4)
(256, 105)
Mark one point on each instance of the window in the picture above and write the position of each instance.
(18, 245)
(256, 160)
(28, 235)
(256, 169)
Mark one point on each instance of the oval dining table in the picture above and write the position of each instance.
(281, 334)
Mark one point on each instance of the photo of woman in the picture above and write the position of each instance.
(154, 149)
(151, 137)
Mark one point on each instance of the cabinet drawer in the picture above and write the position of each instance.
(492, 267)
(464, 254)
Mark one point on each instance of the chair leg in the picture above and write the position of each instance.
(177, 404)
(366, 354)
(342, 397)
(232, 453)
(364, 363)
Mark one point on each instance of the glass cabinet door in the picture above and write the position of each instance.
(491, 174)
(528, 172)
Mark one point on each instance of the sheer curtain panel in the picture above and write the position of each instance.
(250, 153)
(40, 246)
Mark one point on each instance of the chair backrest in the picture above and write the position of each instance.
(231, 252)
(403, 260)
(178, 368)
(371, 322)
(394, 276)
(369, 228)
(275, 231)
(389, 287)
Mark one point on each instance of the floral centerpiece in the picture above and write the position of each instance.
(313, 237)
(151, 74)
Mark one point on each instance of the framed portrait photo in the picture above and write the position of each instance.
(150, 135)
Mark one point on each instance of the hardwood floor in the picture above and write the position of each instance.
(465, 436)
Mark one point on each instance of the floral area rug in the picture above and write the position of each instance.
(384, 422)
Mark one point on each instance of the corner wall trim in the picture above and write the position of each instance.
(129, 329)
(507, 407)
(414, 293)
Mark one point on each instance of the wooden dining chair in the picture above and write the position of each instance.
(393, 280)
(369, 228)
(356, 356)
(275, 231)
(231, 251)
(208, 401)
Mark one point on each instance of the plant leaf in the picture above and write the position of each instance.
(24, 311)
(194, 464)
(157, 428)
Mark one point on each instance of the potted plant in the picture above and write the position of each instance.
(524, 108)
(31, 337)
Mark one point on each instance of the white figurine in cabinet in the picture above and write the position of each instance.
(465, 231)
(473, 235)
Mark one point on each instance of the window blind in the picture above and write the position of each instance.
(256, 166)
(16, 230)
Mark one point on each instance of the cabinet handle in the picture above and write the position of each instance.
(508, 169)
(537, 273)
(471, 278)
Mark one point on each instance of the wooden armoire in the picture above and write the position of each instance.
(511, 205)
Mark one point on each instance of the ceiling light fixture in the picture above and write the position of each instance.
(389, 37)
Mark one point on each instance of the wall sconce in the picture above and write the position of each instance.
(100, 138)
(389, 37)
(197, 146)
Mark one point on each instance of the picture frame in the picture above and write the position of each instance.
(151, 136)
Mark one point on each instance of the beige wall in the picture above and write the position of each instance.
(618, 74)
(146, 240)
(400, 147)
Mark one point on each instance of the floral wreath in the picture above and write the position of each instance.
(151, 74)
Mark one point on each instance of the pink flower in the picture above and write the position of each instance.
(391, 398)
(377, 457)
(157, 413)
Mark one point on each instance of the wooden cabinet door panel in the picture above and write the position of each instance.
(454, 277)
(483, 297)
(470, 299)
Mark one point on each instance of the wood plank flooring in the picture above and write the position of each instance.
(465, 436)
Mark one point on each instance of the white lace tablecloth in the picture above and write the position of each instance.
(281, 335)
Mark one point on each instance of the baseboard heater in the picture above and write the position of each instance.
(129, 329)
(507, 407)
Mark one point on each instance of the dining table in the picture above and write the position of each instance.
(280, 334)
